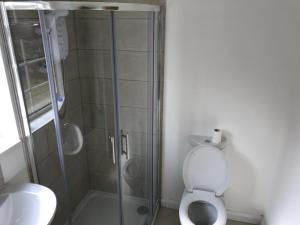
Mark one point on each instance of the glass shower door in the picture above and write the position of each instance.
(134, 52)
(77, 47)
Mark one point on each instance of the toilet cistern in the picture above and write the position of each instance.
(198, 140)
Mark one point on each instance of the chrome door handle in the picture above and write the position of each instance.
(112, 141)
(125, 147)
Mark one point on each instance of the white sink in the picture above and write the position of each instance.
(26, 204)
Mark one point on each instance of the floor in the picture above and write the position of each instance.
(170, 217)
(100, 206)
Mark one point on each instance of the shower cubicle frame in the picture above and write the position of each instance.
(14, 82)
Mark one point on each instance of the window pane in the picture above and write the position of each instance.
(29, 53)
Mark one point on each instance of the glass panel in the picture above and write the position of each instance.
(48, 168)
(80, 46)
(28, 49)
(134, 52)
(157, 89)
(28, 46)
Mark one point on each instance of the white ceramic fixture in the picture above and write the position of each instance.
(134, 174)
(196, 140)
(205, 175)
(27, 204)
(72, 139)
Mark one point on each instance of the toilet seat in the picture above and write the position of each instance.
(205, 176)
(201, 196)
(205, 168)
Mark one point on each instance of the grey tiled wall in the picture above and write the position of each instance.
(94, 54)
(48, 168)
(1, 178)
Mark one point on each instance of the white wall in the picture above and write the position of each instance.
(230, 64)
(8, 128)
(13, 165)
(285, 204)
(12, 162)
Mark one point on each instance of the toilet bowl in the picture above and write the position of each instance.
(205, 175)
(201, 207)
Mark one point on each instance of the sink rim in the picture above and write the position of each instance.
(39, 191)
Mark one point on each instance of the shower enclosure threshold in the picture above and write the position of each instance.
(101, 208)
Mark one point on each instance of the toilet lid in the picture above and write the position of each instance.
(205, 168)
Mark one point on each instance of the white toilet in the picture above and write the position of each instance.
(135, 176)
(205, 175)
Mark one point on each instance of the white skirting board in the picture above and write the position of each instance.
(244, 217)
(237, 216)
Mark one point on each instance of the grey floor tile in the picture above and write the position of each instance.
(167, 217)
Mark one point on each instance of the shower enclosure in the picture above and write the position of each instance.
(86, 84)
